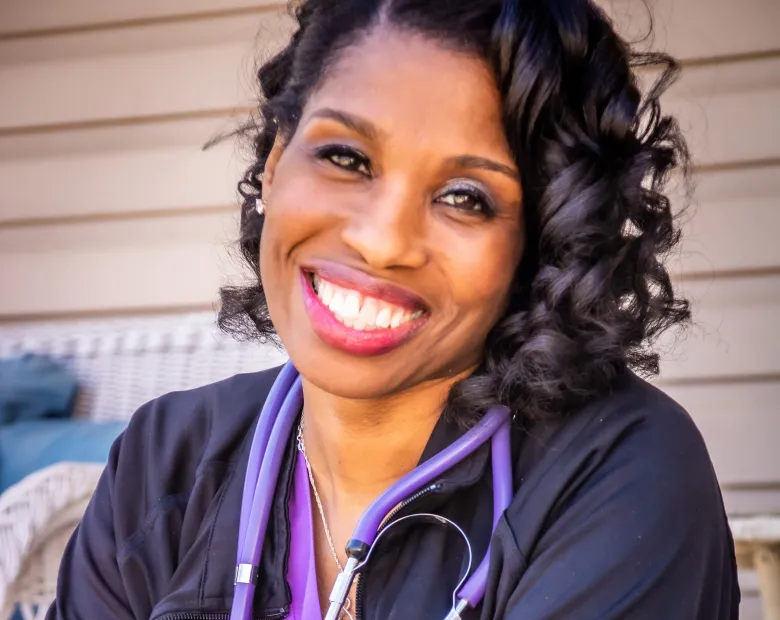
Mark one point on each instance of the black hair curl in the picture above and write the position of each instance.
(594, 155)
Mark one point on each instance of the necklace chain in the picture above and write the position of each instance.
(302, 448)
(328, 536)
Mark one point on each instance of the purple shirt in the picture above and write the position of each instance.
(301, 571)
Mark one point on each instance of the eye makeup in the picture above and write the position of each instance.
(345, 157)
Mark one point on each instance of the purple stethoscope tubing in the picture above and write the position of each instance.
(273, 429)
(368, 526)
(501, 458)
(270, 439)
(273, 403)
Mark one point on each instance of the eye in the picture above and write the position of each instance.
(346, 158)
(466, 197)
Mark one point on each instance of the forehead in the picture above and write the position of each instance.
(412, 86)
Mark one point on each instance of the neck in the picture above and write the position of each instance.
(358, 448)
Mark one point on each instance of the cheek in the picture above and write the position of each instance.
(293, 214)
(482, 274)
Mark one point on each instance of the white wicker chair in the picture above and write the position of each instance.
(120, 363)
(37, 517)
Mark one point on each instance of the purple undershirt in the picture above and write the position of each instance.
(301, 571)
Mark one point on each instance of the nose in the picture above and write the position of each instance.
(388, 229)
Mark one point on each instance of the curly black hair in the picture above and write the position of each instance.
(591, 293)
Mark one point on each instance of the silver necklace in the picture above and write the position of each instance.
(328, 536)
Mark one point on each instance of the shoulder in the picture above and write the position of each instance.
(644, 432)
(634, 449)
(203, 424)
(176, 440)
(618, 514)
(634, 419)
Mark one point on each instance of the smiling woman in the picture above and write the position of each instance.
(455, 213)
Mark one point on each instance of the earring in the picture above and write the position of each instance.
(259, 205)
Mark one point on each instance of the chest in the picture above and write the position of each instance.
(412, 573)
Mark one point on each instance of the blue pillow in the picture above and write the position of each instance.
(34, 386)
(32, 445)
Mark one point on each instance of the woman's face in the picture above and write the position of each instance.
(393, 219)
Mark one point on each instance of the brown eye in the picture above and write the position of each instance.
(346, 158)
(466, 202)
(466, 197)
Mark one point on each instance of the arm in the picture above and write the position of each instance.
(122, 555)
(90, 583)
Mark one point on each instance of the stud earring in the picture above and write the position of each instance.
(259, 206)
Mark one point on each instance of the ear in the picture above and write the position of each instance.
(270, 165)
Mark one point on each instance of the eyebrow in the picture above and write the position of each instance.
(357, 124)
(483, 163)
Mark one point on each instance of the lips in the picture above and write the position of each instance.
(358, 314)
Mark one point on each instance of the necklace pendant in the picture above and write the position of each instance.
(299, 438)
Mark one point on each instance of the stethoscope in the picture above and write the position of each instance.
(269, 444)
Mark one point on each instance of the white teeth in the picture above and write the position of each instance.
(367, 317)
(384, 317)
(351, 307)
(337, 302)
(325, 291)
(358, 312)
(398, 318)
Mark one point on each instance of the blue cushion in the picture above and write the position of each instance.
(34, 386)
(31, 445)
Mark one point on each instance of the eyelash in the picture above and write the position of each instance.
(465, 189)
(334, 152)
(351, 160)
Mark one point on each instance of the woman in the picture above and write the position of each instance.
(454, 204)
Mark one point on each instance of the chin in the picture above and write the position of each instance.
(353, 377)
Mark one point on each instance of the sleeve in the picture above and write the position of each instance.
(120, 559)
(643, 536)
(90, 583)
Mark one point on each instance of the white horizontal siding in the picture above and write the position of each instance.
(114, 265)
(36, 15)
(735, 331)
(186, 177)
(730, 207)
(699, 28)
(729, 110)
(130, 85)
(690, 29)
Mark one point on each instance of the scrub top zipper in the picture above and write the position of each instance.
(360, 591)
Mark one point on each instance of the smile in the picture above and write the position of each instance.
(360, 312)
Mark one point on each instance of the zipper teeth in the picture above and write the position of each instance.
(421, 493)
(360, 590)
